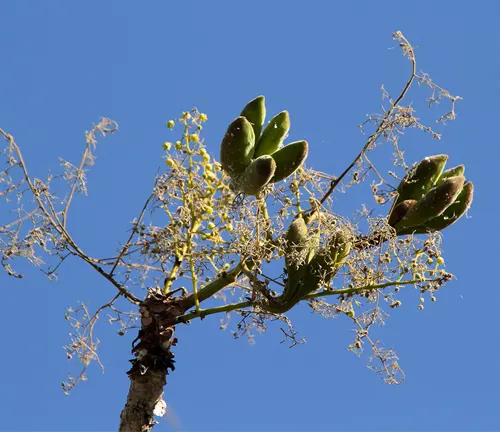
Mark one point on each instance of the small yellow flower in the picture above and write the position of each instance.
(167, 145)
(170, 162)
(211, 226)
(229, 227)
(194, 138)
(209, 175)
(170, 124)
(186, 115)
(178, 145)
(203, 117)
(440, 260)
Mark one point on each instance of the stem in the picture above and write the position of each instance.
(58, 227)
(202, 313)
(375, 135)
(132, 234)
(212, 288)
(364, 288)
(194, 221)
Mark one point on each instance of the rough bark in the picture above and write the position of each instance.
(145, 393)
(153, 358)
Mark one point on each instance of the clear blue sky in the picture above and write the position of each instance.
(65, 64)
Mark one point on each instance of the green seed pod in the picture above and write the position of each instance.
(319, 273)
(421, 178)
(299, 252)
(297, 256)
(257, 175)
(273, 135)
(337, 248)
(289, 159)
(325, 264)
(237, 146)
(454, 212)
(296, 238)
(399, 211)
(452, 172)
(437, 200)
(255, 113)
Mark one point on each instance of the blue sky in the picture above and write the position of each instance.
(66, 64)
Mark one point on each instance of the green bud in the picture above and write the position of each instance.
(454, 212)
(289, 159)
(338, 247)
(433, 204)
(296, 233)
(297, 251)
(452, 172)
(255, 113)
(237, 146)
(325, 263)
(399, 211)
(421, 178)
(257, 175)
(273, 135)
(300, 244)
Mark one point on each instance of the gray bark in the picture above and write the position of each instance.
(144, 393)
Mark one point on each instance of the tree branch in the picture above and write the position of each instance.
(407, 49)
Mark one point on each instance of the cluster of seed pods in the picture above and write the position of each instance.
(253, 155)
(429, 198)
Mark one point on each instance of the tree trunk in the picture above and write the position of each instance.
(144, 395)
(153, 359)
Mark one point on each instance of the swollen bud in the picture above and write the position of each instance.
(399, 211)
(421, 178)
(300, 245)
(273, 135)
(289, 159)
(452, 172)
(325, 263)
(255, 113)
(257, 175)
(338, 247)
(237, 146)
(454, 211)
(433, 204)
